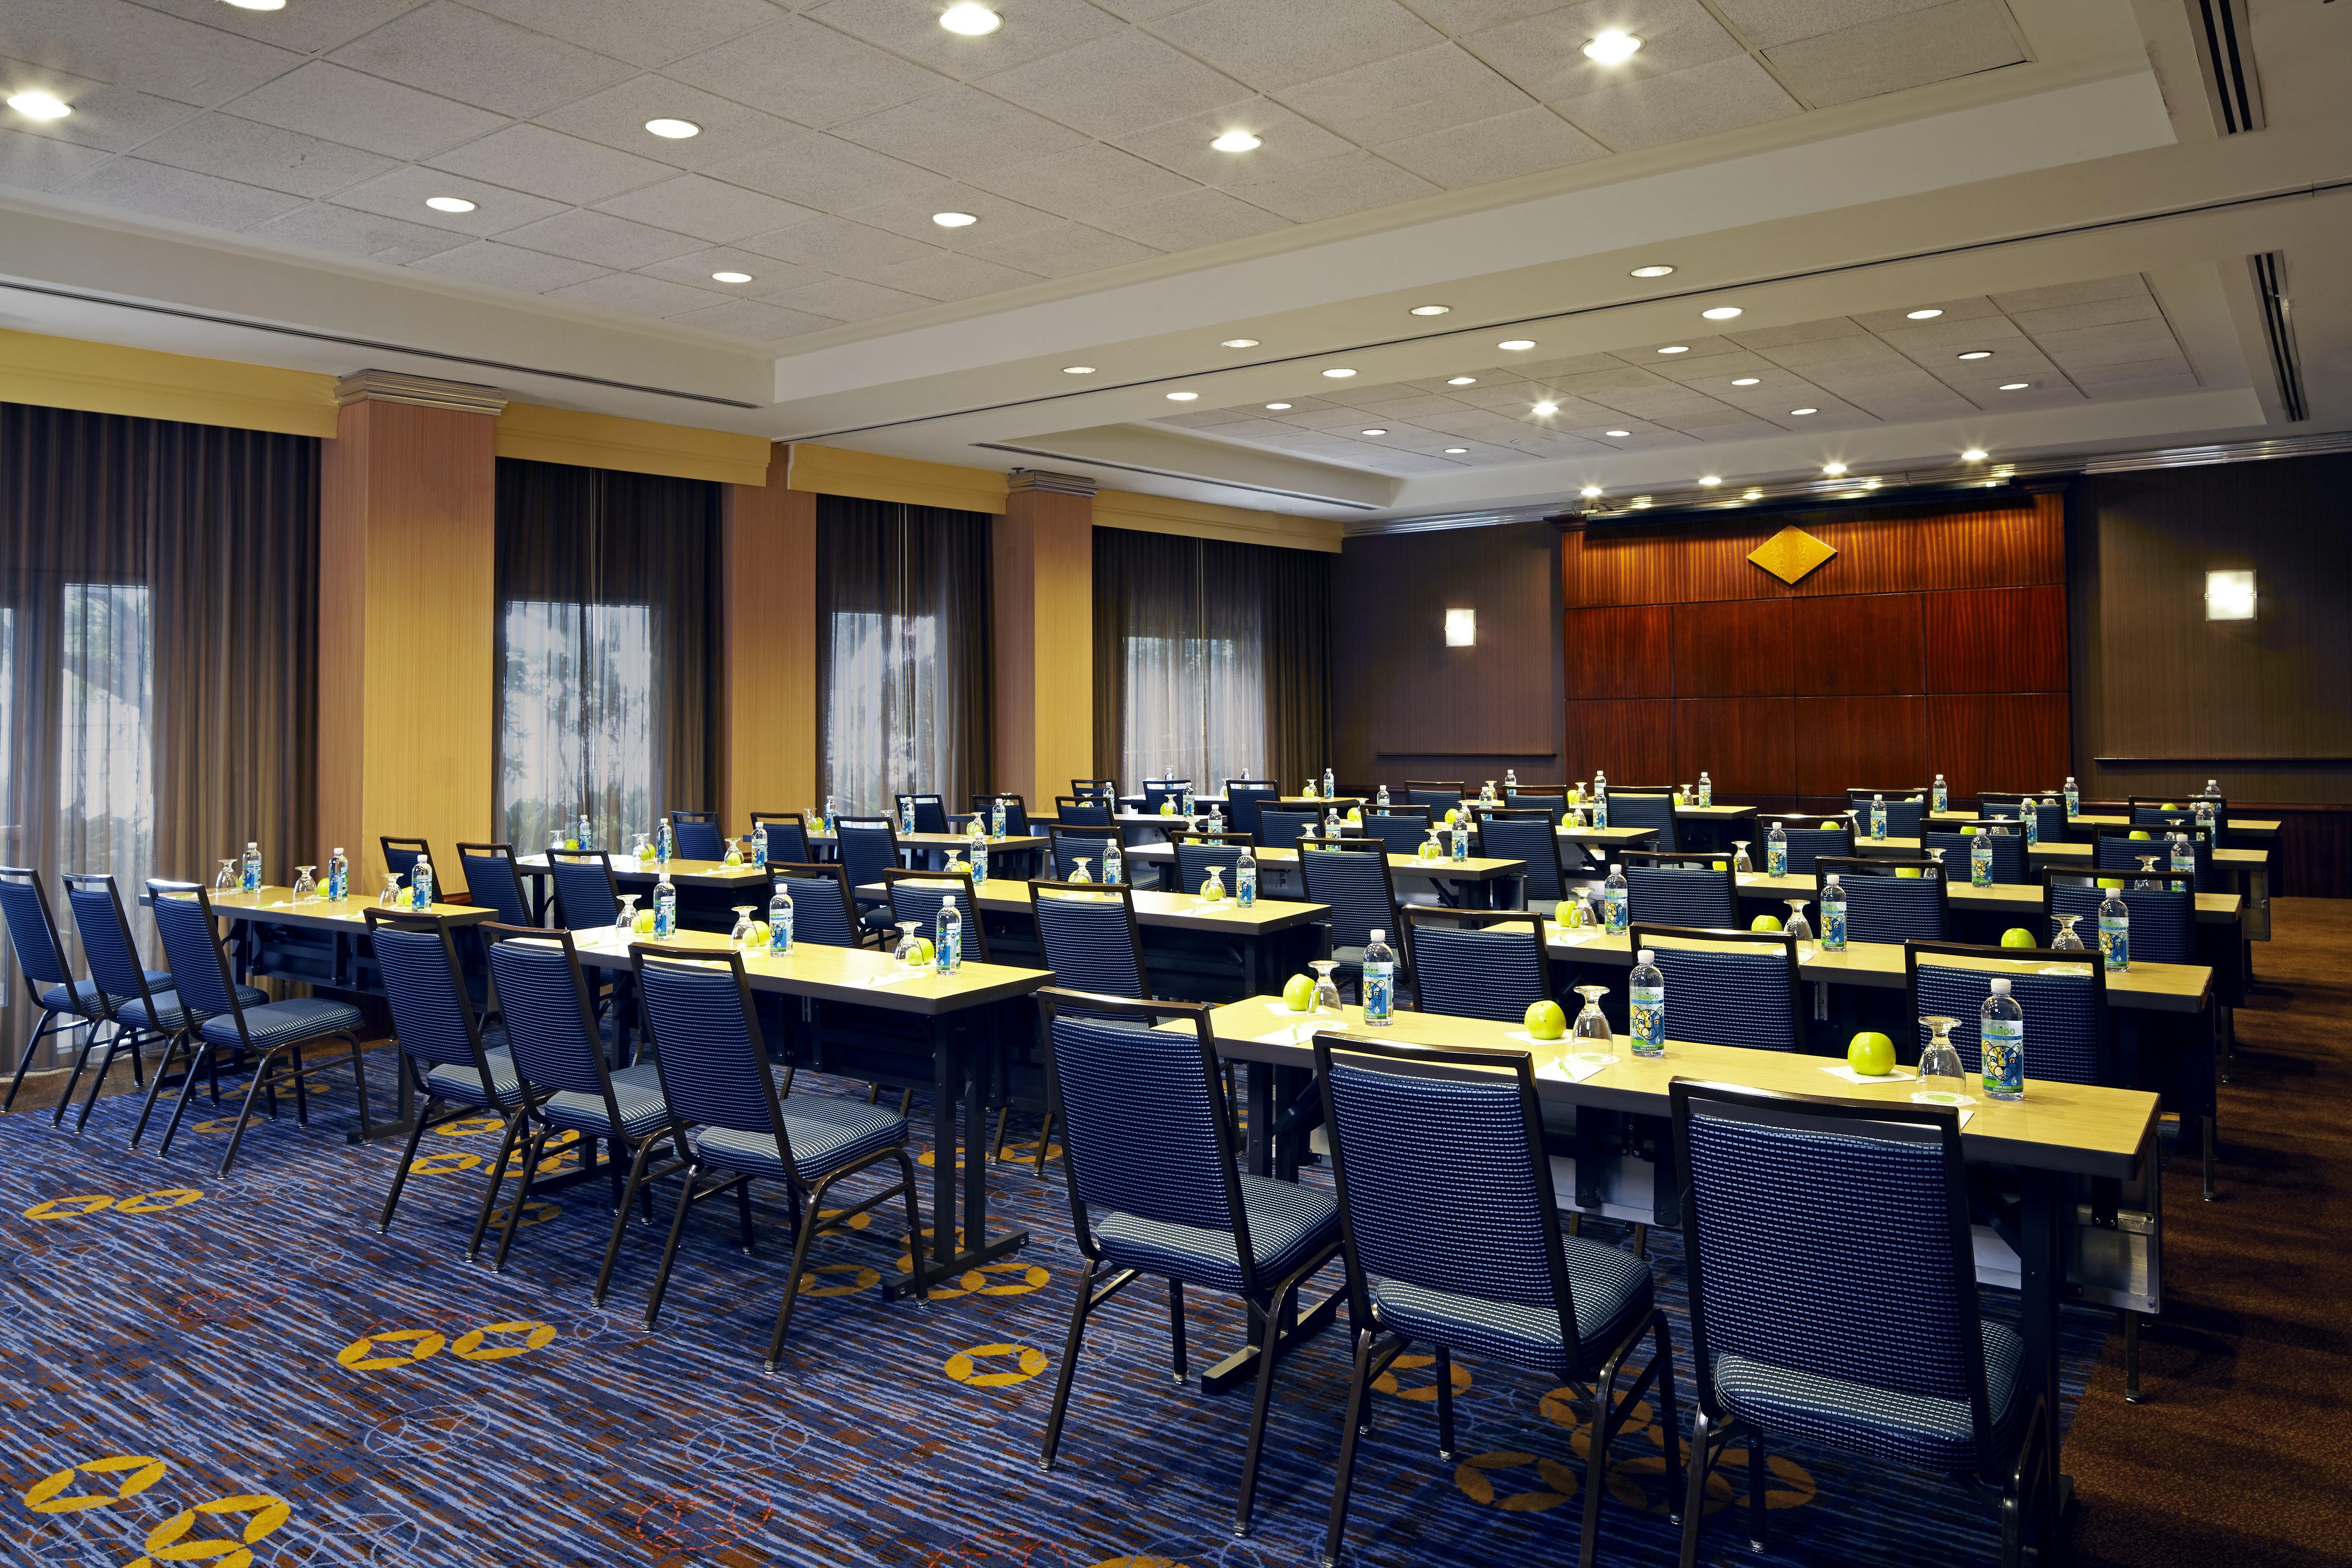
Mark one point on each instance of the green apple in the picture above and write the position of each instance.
(1298, 993)
(1355, 814)
(1213, 887)
(1969, 830)
(1428, 850)
(2116, 882)
(2139, 833)
(1910, 871)
(644, 924)
(1720, 865)
(1452, 814)
(1167, 807)
(759, 934)
(1871, 1053)
(1545, 1021)
(925, 954)
(2170, 806)
(1765, 922)
(2017, 936)
(1829, 827)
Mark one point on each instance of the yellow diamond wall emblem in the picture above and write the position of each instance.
(1790, 554)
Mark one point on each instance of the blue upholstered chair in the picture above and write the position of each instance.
(725, 1110)
(1076, 842)
(456, 1068)
(1156, 790)
(1280, 829)
(223, 1020)
(1550, 799)
(65, 1004)
(1728, 987)
(697, 837)
(1628, 809)
(2115, 850)
(823, 910)
(2008, 850)
(1451, 1239)
(1806, 844)
(919, 896)
(1679, 889)
(2066, 1038)
(1195, 853)
(1476, 964)
(2050, 823)
(2153, 813)
(1351, 878)
(1881, 906)
(401, 856)
(1077, 811)
(586, 896)
(931, 811)
(1157, 1188)
(1435, 793)
(1510, 834)
(492, 881)
(1905, 817)
(1798, 1211)
(2163, 923)
(1104, 790)
(788, 842)
(869, 847)
(1403, 828)
(1244, 798)
(1088, 937)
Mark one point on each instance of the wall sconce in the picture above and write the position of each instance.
(1462, 625)
(2229, 596)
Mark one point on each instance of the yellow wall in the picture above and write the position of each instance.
(1204, 519)
(870, 475)
(1044, 580)
(106, 378)
(633, 445)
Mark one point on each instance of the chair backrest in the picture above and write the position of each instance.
(184, 919)
(106, 942)
(2152, 812)
(1858, 796)
(2008, 850)
(1105, 790)
(931, 811)
(2065, 1014)
(1090, 938)
(1799, 1211)
(2114, 849)
(432, 1013)
(1080, 811)
(586, 896)
(1403, 828)
(1196, 852)
(1476, 964)
(550, 1016)
(1443, 1182)
(1280, 829)
(401, 855)
(1882, 906)
(2163, 923)
(1438, 795)
(2050, 824)
(1531, 836)
(787, 836)
(1728, 987)
(1075, 842)
(1905, 817)
(32, 929)
(1354, 884)
(1679, 889)
(707, 1045)
(1550, 799)
(823, 912)
(1806, 844)
(697, 837)
(919, 895)
(1246, 797)
(1629, 810)
(1156, 790)
(869, 847)
(491, 881)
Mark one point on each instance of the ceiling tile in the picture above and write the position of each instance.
(109, 117)
(325, 226)
(823, 171)
(139, 49)
(1764, 23)
(1274, 45)
(1084, 181)
(807, 73)
(312, 27)
(1970, 310)
(769, 276)
(911, 215)
(403, 194)
(1410, 95)
(616, 118)
(600, 238)
(1286, 139)
(1346, 184)
(911, 29)
(960, 131)
(837, 245)
(1765, 339)
(1063, 250)
(1117, 84)
(1200, 216)
(2117, 343)
(1545, 53)
(635, 294)
(2128, 286)
(38, 162)
(324, 99)
(849, 299)
(2035, 324)
(508, 266)
(166, 192)
(1526, 143)
(642, 32)
(2150, 387)
(948, 276)
(549, 163)
(1727, 95)
(1143, 10)
(706, 209)
(755, 320)
(1463, 17)
(1955, 40)
(262, 156)
(1401, 403)
(447, 48)
(1695, 347)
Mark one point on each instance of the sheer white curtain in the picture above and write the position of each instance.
(1194, 705)
(886, 727)
(576, 722)
(106, 749)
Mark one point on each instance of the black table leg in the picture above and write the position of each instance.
(959, 1079)
(1261, 1118)
(2043, 1269)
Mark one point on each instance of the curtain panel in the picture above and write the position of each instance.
(607, 648)
(158, 653)
(905, 664)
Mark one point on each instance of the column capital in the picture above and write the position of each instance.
(1019, 480)
(424, 391)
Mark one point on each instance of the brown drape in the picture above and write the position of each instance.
(1295, 588)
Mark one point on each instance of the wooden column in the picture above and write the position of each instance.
(768, 743)
(1045, 589)
(407, 620)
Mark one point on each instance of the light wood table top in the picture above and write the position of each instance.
(949, 840)
(2065, 1127)
(628, 870)
(858, 974)
(1627, 836)
(2025, 898)
(2262, 825)
(1470, 870)
(276, 906)
(1153, 908)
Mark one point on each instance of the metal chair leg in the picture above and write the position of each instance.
(1045, 1139)
(517, 1126)
(1701, 1459)
(97, 1080)
(1665, 1368)
(629, 1191)
(1357, 1392)
(399, 1174)
(1758, 1478)
(156, 1085)
(2131, 1356)
(82, 1059)
(243, 1115)
(1444, 1403)
(359, 1083)
(1176, 1358)
(24, 1062)
(669, 1248)
(207, 1054)
(1078, 1309)
(532, 1147)
(1605, 1416)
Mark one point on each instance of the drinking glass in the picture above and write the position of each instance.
(1942, 1079)
(739, 938)
(2067, 942)
(1741, 865)
(304, 887)
(226, 880)
(1595, 1041)
(1797, 926)
(391, 894)
(907, 954)
(627, 922)
(555, 842)
(2148, 881)
(1327, 990)
(1082, 874)
(643, 849)
(1939, 854)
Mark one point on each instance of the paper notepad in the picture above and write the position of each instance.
(1567, 1066)
(1900, 1075)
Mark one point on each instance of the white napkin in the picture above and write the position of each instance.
(1569, 1068)
(1900, 1075)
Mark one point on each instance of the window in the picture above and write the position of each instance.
(106, 753)
(575, 725)
(884, 727)
(1195, 705)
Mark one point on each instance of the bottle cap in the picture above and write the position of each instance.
(947, 902)
(1832, 877)
(1649, 955)
(1379, 934)
(1615, 866)
(2000, 985)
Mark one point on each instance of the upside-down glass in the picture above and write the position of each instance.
(739, 938)
(2148, 881)
(1082, 874)
(909, 955)
(1740, 864)
(1595, 1041)
(1797, 926)
(642, 850)
(1327, 990)
(2067, 942)
(1943, 1080)
(304, 885)
(391, 894)
(227, 879)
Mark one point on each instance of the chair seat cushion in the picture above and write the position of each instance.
(284, 1023)
(636, 1092)
(825, 1134)
(1900, 1428)
(1612, 1288)
(169, 1015)
(76, 997)
(1287, 1223)
(460, 1083)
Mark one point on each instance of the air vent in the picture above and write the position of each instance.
(2225, 55)
(2278, 326)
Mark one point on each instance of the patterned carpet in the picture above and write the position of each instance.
(238, 1372)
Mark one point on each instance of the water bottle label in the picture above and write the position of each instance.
(948, 950)
(2114, 944)
(421, 891)
(1833, 929)
(1245, 886)
(2074, 801)
(1619, 917)
(1600, 811)
(1981, 864)
(1776, 859)
(978, 863)
(1462, 846)
(2001, 1043)
(1646, 1024)
(779, 934)
(2032, 826)
(759, 853)
(665, 921)
(1706, 793)
(1943, 798)
(1379, 991)
(1878, 823)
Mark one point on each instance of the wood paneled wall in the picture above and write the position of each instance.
(1933, 641)
(768, 740)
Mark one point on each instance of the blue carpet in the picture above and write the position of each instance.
(241, 1370)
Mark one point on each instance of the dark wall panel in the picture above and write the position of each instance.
(1631, 740)
(1856, 643)
(1747, 746)
(1621, 652)
(1732, 648)
(1997, 640)
(1865, 742)
(2001, 742)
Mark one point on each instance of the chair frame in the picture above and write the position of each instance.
(1682, 860)
(146, 999)
(49, 1016)
(796, 818)
(1097, 833)
(1414, 916)
(1929, 867)
(819, 871)
(602, 857)
(680, 817)
(503, 852)
(1638, 934)
(387, 843)
(1096, 789)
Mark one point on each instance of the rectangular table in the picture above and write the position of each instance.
(2020, 898)
(1472, 872)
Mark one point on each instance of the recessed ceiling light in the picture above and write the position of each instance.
(39, 106)
(1240, 343)
(1748, 381)
(1340, 373)
(1800, 413)
(1870, 484)
(972, 21)
(1589, 491)
(1546, 409)
(1462, 381)
(1974, 455)
(1641, 500)
(1922, 315)
(1182, 396)
(1978, 354)
(1617, 433)
(1236, 142)
(1517, 344)
(2015, 386)
(1655, 271)
(730, 277)
(258, 5)
(449, 204)
(955, 220)
(1833, 470)
(1676, 349)
(1277, 406)
(1751, 495)
(1614, 47)
(1721, 312)
(1372, 432)
(1431, 309)
(1710, 478)
(675, 130)
(1077, 370)
(1456, 451)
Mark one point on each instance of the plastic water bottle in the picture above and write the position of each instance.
(1878, 816)
(947, 950)
(1645, 1014)
(1184, 808)
(249, 873)
(2000, 1042)
(1600, 781)
(1380, 979)
(1244, 879)
(832, 810)
(2203, 811)
(1776, 851)
(339, 876)
(665, 908)
(1942, 795)
(2032, 821)
(1332, 826)
(2114, 931)
(1331, 785)
(760, 844)
(1705, 789)
(907, 815)
(420, 884)
(780, 922)
(1510, 780)
(1462, 836)
(1832, 914)
(2213, 789)
(585, 833)
(2074, 797)
(1114, 862)
(1613, 893)
(1381, 796)
(2184, 863)
(979, 857)
(1980, 858)
(1599, 807)
(663, 842)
